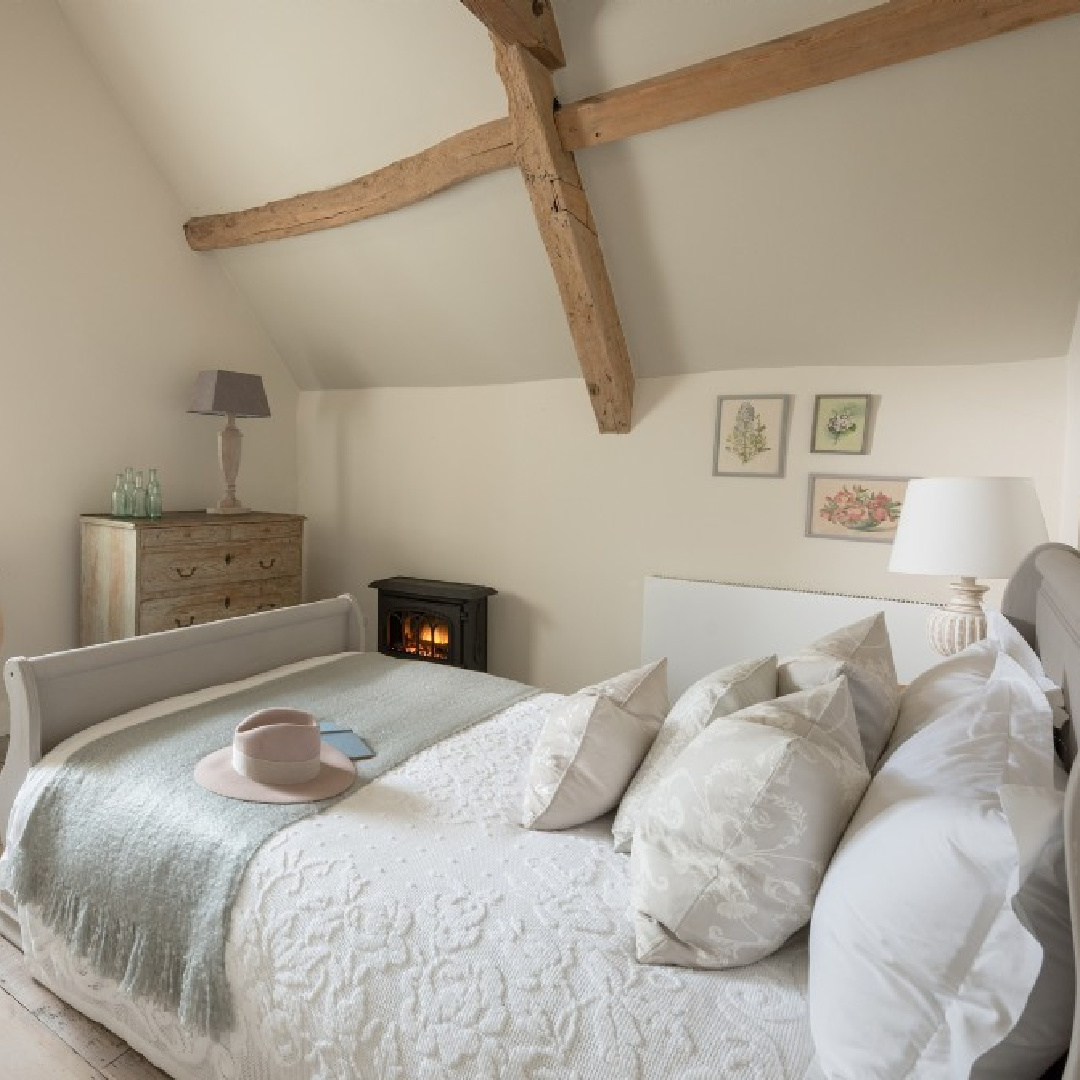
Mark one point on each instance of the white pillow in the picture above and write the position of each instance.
(971, 736)
(719, 693)
(940, 689)
(862, 652)
(999, 629)
(732, 845)
(1042, 1033)
(918, 963)
(590, 747)
(940, 974)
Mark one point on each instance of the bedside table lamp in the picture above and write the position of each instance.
(229, 394)
(965, 527)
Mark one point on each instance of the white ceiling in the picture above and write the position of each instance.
(923, 214)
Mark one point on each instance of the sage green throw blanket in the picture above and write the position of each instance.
(137, 867)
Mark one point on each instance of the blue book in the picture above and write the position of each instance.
(349, 743)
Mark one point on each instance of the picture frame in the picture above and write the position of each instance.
(862, 508)
(841, 424)
(751, 435)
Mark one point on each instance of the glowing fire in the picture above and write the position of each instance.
(425, 637)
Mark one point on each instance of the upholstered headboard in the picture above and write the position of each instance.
(703, 625)
(1042, 600)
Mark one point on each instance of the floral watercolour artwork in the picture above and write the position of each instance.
(751, 435)
(840, 424)
(855, 507)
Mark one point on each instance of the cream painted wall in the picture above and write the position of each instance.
(105, 317)
(512, 487)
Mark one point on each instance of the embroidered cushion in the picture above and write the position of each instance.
(862, 652)
(642, 691)
(719, 693)
(590, 747)
(733, 844)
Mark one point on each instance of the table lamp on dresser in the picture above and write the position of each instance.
(229, 394)
(965, 527)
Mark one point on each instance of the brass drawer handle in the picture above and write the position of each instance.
(228, 601)
(190, 573)
(269, 565)
(180, 623)
(228, 559)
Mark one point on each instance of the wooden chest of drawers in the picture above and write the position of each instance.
(140, 576)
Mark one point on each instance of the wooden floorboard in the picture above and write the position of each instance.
(43, 1038)
(132, 1066)
(32, 1052)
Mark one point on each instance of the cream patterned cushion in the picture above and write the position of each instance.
(733, 844)
(642, 691)
(719, 693)
(863, 653)
(590, 747)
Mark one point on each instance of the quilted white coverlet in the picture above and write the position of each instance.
(417, 931)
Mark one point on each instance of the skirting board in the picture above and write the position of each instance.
(703, 625)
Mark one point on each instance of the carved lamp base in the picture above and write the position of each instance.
(229, 439)
(962, 621)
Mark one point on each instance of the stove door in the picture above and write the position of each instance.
(412, 629)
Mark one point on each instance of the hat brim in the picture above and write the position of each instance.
(216, 773)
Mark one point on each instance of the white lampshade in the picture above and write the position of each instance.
(967, 526)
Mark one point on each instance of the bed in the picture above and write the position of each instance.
(414, 929)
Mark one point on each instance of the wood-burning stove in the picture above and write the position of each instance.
(440, 621)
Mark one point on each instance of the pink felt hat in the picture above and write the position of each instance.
(276, 757)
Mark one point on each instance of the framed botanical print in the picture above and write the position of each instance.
(840, 424)
(751, 435)
(855, 507)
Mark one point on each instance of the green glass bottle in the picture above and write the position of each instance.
(119, 497)
(138, 497)
(129, 490)
(153, 495)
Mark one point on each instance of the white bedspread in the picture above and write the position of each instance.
(417, 931)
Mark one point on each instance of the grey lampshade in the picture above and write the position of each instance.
(229, 393)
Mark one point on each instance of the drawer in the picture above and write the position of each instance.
(182, 535)
(201, 565)
(254, 530)
(256, 562)
(209, 605)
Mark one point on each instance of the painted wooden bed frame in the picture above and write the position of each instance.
(55, 696)
(58, 695)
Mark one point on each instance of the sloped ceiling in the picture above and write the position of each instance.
(922, 214)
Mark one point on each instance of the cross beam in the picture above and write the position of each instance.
(891, 33)
(542, 142)
(528, 23)
(857, 44)
(566, 226)
(480, 150)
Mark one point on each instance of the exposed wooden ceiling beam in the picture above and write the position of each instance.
(566, 225)
(856, 44)
(853, 45)
(479, 150)
(530, 23)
